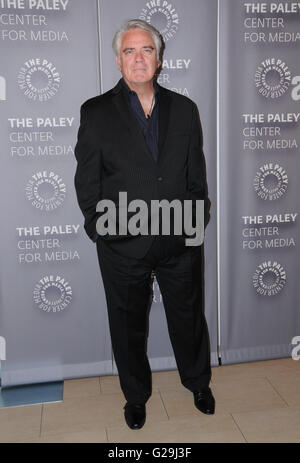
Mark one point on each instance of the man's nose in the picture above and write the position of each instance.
(139, 55)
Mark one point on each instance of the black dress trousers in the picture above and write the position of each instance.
(128, 288)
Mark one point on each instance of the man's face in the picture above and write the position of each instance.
(138, 58)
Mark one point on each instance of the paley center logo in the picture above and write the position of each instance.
(162, 15)
(39, 79)
(272, 78)
(46, 190)
(116, 216)
(269, 278)
(270, 182)
(52, 293)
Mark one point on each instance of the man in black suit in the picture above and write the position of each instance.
(145, 140)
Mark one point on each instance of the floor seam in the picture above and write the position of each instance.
(41, 422)
(238, 427)
(276, 391)
(101, 392)
(163, 404)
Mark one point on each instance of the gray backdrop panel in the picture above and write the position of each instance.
(51, 344)
(255, 326)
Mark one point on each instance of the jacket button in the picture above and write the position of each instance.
(159, 179)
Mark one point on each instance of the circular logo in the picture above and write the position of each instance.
(46, 190)
(272, 78)
(270, 182)
(52, 294)
(269, 278)
(162, 15)
(39, 79)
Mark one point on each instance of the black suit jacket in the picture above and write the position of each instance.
(112, 156)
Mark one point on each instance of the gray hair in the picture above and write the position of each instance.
(136, 24)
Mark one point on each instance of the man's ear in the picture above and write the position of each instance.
(118, 63)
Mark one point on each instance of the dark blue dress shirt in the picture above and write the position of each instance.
(149, 127)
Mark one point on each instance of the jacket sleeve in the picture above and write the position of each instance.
(197, 183)
(88, 175)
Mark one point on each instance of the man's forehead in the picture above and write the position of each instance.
(139, 36)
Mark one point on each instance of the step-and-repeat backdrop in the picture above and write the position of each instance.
(55, 54)
(53, 314)
(259, 178)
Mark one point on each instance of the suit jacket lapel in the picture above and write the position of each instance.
(163, 120)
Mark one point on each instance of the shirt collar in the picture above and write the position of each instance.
(132, 92)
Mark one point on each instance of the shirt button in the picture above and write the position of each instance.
(159, 179)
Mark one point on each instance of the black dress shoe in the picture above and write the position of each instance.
(135, 415)
(204, 401)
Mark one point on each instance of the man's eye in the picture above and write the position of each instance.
(148, 51)
(128, 52)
